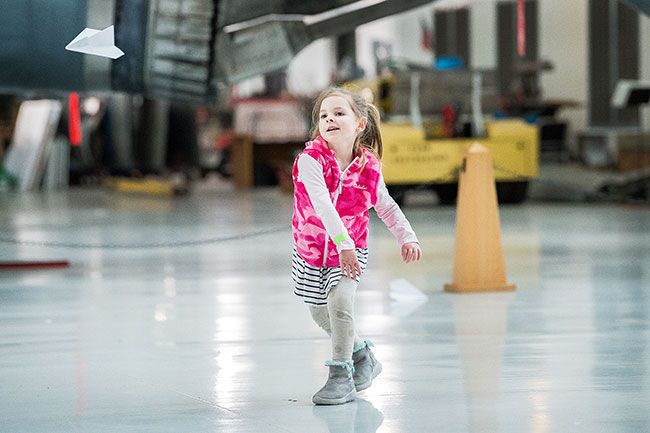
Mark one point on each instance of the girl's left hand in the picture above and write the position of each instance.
(411, 252)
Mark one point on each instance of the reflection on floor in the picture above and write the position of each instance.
(200, 331)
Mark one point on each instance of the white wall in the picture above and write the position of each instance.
(408, 42)
(311, 70)
(644, 74)
(563, 40)
(402, 31)
(483, 42)
(381, 30)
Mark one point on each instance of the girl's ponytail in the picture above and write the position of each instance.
(370, 138)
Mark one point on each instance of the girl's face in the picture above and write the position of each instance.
(337, 123)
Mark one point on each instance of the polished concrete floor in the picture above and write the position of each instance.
(198, 331)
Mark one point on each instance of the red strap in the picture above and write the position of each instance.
(4, 266)
(74, 119)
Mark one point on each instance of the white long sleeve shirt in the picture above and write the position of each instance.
(310, 173)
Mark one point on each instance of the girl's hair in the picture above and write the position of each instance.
(370, 137)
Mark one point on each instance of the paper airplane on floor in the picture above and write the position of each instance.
(402, 290)
(406, 298)
(96, 42)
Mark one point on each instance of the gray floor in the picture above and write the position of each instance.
(200, 331)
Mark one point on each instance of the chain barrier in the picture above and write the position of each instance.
(517, 176)
(451, 174)
(452, 177)
(242, 236)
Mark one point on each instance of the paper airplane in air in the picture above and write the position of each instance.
(96, 42)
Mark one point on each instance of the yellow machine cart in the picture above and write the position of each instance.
(412, 161)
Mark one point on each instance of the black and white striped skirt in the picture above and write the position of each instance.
(313, 284)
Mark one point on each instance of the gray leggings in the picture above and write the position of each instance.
(337, 319)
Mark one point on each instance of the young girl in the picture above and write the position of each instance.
(337, 178)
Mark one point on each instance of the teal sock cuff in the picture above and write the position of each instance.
(363, 345)
(345, 364)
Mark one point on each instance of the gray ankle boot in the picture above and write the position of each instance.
(339, 387)
(366, 366)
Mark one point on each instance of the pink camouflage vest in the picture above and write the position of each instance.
(353, 198)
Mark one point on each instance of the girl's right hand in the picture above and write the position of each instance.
(349, 264)
(411, 252)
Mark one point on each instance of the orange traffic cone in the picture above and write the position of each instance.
(478, 259)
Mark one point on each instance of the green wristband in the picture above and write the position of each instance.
(340, 238)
